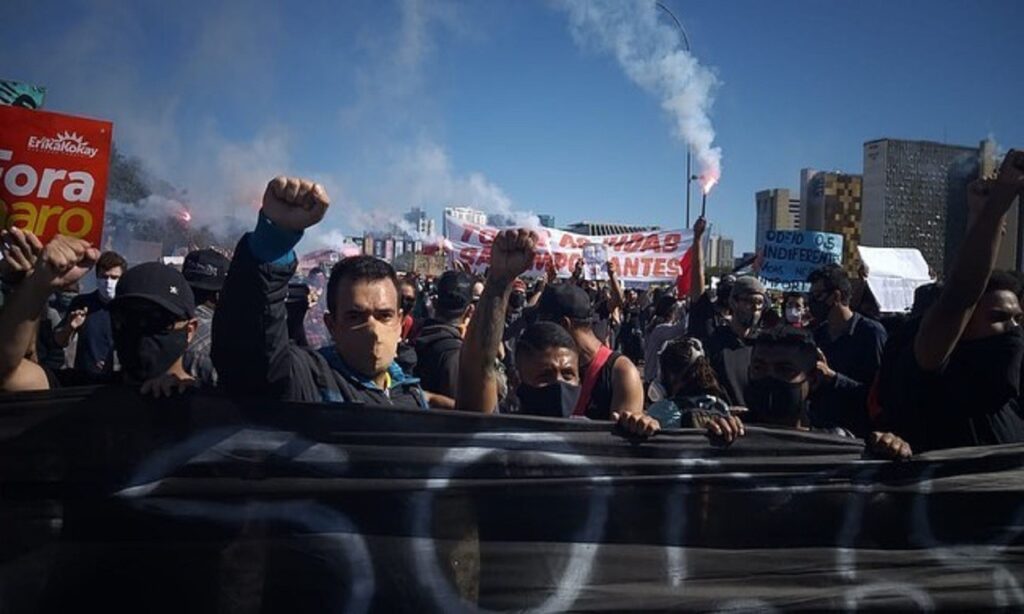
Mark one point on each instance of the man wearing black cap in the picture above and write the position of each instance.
(152, 319)
(440, 340)
(205, 271)
(610, 382)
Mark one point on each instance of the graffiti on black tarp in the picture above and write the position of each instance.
(377, 509)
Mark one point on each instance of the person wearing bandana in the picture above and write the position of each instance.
(960, 379)
(152, 320)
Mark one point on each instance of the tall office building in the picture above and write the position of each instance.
(832, 202)
(776, 210)
(467, 214)
(915, 195)
(718, 252)
(419, 221)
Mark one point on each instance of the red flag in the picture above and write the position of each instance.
(685, 264)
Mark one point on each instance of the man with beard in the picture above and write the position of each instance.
(960, 380)
(251, 349)
(729, 346)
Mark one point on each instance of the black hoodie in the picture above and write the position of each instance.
(437, 351)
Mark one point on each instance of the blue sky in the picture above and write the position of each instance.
(395, 103)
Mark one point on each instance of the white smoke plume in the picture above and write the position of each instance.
(649, 49)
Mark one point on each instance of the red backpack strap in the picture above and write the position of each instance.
(590, 379)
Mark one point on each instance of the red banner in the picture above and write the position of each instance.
(53, 173)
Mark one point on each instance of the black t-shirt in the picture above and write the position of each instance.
(971, 401)
(730, 358)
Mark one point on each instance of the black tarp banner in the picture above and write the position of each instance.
(111, 502)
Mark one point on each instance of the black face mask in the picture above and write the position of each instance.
(407, 305)
(989, 368)
(554, 400)
(819, 309)
(775, 402)
(516, 300)
(146, 355)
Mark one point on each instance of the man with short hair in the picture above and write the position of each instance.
(89, 320)
(729, 347)
(440, 340)
(205, 271)
(611, 383)
(783, 372)
(251, 349)
(852, 347)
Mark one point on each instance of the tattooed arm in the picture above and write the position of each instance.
(511, 254)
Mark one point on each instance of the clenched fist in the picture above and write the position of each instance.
(295, 204)
(512, 254)
(65, 260)
(20, 249)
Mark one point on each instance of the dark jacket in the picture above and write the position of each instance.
(254, 356)
(437, 353)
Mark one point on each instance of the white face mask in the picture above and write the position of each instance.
(794, 315)
(106, 287)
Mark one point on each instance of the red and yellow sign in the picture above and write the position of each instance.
(53, 173)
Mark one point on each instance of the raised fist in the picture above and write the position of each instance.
(294, 204)
(65, 260)
(512, 253)
(20, 250)
(699, 227)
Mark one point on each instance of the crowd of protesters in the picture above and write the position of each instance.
(947, 374)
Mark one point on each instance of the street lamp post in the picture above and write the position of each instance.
(689, 177)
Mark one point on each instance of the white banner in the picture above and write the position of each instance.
(651, 256)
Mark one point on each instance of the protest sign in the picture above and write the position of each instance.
(15, 94)
(789, 256)
(595, 261)
(53, 173)
(893, 274)
(651, 257)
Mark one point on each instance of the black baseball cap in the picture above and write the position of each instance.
(454, 290)
(564, 301)
(160, 284)
(206, 269)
